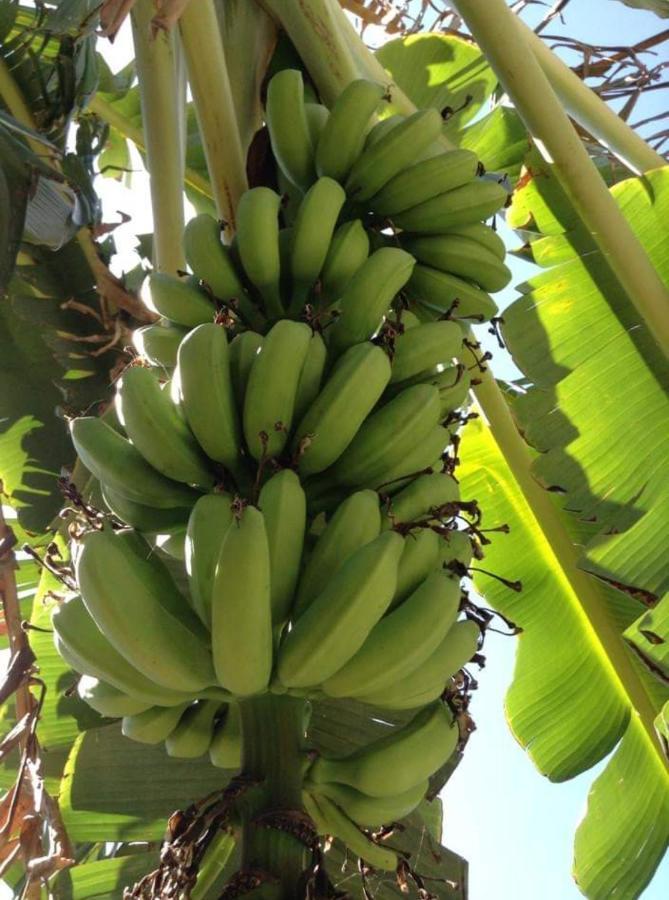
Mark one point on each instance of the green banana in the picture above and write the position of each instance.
(337, 622)
(343, 137)
(284, 507)
(207, 394)
(289, 127)
(317, 117)
(272, 387)
(421, 556)
(118, 465)
(425, 179)
(392, 153)
(428, 682)
(424, 455)
(382, 128)
(143, 518)
(456, 551)
(350, 393)
(460, 256)
(225, 750)
(243, 350)
(397, 762)
(159, 343)
(177, 300)
(484, 235)
(212, 262)
(83, 646)
(401, 641)
(136, 605)
(448, 293)
(368, 295)
(348, 250)
(171, 542)
(370, 812)
(424, 346)
(462, 206)
(108, 700)
(258, 245)
(356, 522)
(386, 438)
(329, 819)
(192, 736)
(157, 430)
(311, 376)
(423, 499)
(241, 626)
(207, 526)
(312, 233)
(453, 384)
(153, 725)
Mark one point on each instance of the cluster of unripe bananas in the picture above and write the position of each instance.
(280, 516)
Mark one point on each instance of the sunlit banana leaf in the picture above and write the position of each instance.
(567, 705)
(103, 879)
(452, 75)
(599, 407)
(649, 637)
(659, 7)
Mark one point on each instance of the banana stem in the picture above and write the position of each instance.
(212, 94)
(273, 730)
(495, 29)
(593, 606)
(163, 100)
(590, 111)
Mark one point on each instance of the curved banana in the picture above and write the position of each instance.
(311, 376)
(382, 128)
(423, 499)
(460, 256)
(317, 117)
(207, 395)
(311, 236)
(337, 622)
(289, 127)
(156, 429)
(225, 750)
(392, 153)
(207, 526)
(143, 518)
(425, 179)
(241, 623)
(370, 812)
(333, 419)
(355, 522)
(456, 551)
(428, 682)
(386, 438)
(138, 608)
(108, 700)
(192, 736)
(465, 205)
(258, 245)
(448, 293)
(453, 385)
(421, 556)
(243, 350)
(368, 295)
(171, 542)
(118, 465)
(349, 248)
(400, 760)
(272, 388)
(484, 235)
(425, 455)
(329, 819)
(159, 343)
(343, 137)
(284, 507)
(153, 725)
(427, 345)
(83, 646)
(401, 641)
(177, 300)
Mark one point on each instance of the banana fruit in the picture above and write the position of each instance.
(460, 256)
(289, 129)
(208, 524)
(424, 180)
(464, 205)
(370, 812)
(225, 750)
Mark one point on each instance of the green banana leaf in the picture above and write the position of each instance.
(659, 7)
(649, 637)
(572, 700)
(103, 879)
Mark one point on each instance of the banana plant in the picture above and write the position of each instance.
(595, 561)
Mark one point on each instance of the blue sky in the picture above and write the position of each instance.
(513, 826)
